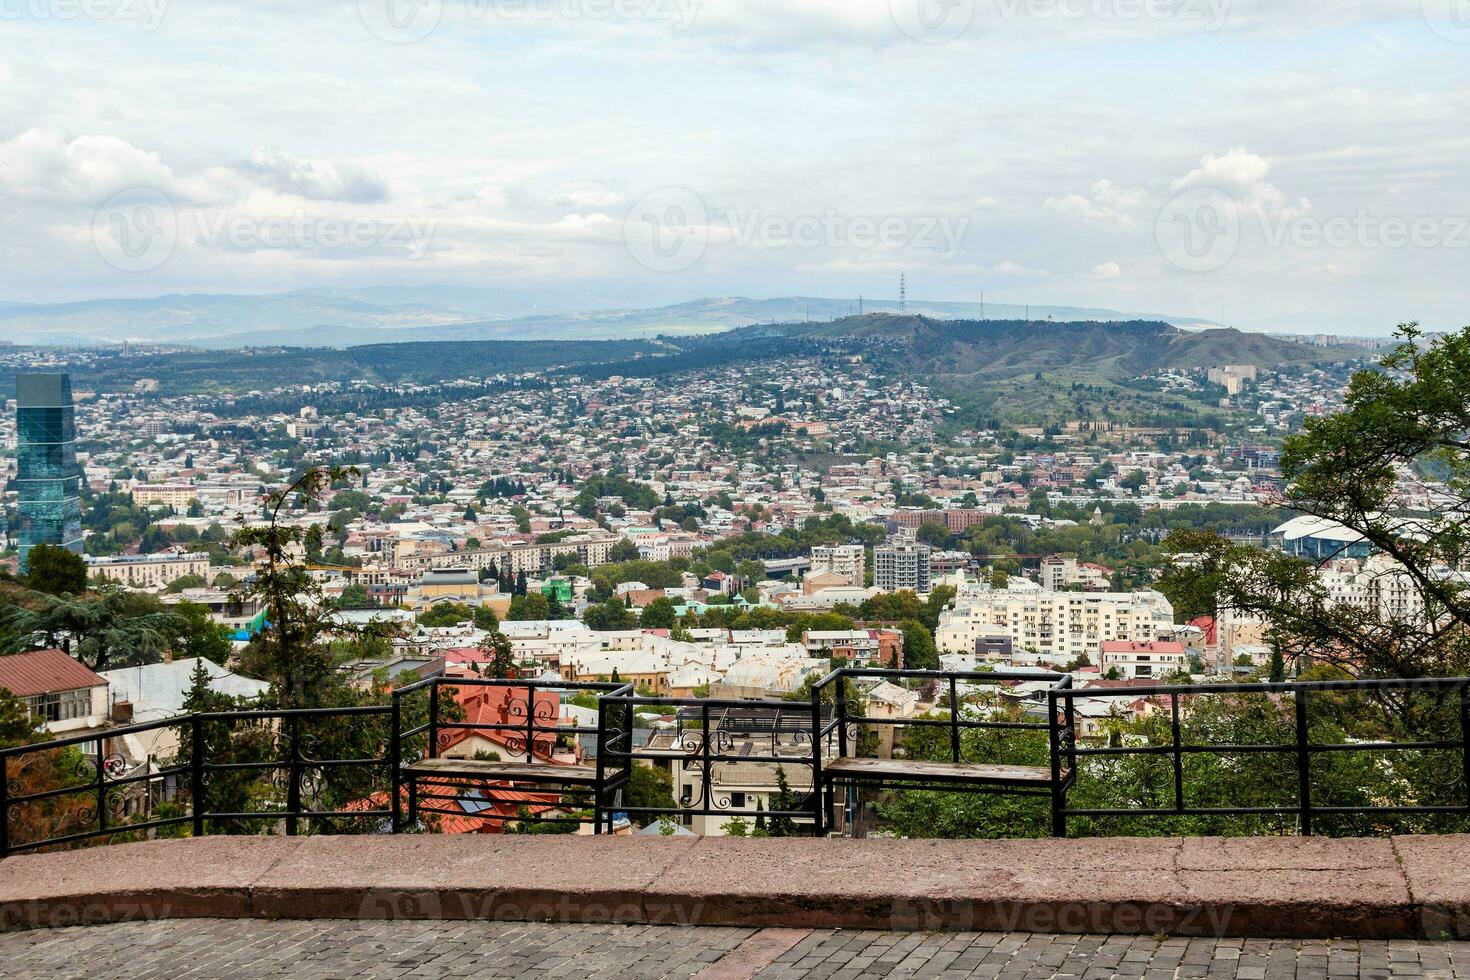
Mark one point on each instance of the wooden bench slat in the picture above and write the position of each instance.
(914, 770)
(529, 772)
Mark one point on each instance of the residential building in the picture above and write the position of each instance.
(1152, 659)
(61, 694)
(1059, 626)
(848, 562)
(149, 571)
(904, 565)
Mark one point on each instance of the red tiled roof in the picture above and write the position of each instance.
(45, 672)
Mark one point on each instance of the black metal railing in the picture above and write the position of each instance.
(531, 726)
(97, 790)
(1059, 724)
(1302, 747)
(352, 768)
(707, 734)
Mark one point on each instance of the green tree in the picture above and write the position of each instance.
(919, 652)
(658, 614)
(528, 608)
(55, 570)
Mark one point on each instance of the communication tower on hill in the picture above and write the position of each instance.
(903, 292)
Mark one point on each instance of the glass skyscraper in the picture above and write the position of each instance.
(49, 479)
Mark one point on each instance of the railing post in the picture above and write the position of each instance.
(1465, 739)
(954, 720)
(101, 785)
(705, 782)
(1054, 737)
(196, 773)
(1303, 763)
(531, 722)
(1178, 753)
(597, 790)
(395, 761)
(293, 772)
(433, 752)
(4, 806)
(840, 700)
(817, 809)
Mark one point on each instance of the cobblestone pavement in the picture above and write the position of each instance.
(321, 949)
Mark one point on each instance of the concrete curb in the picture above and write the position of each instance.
(1284, 887)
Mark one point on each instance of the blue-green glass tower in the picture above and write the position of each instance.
(48, 477)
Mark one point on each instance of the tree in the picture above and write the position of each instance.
(111, 629)
(529, 608)
(484, 619)
(650, 786)
(1278, 665)
(446, 614)
(933, 533)
(919, 652)
(55, 570)
(17, 727)
(785, 801)
(500, 655)
(658, 614)
(608, 616)
(1409, 415)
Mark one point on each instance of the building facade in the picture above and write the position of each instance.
(901, 566)
(149, 571)
(48, 477)
(1057, 625)
(848, 561)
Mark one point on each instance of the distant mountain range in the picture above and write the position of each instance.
(393, 314)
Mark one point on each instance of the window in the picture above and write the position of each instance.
(61, 705)
(737, 800)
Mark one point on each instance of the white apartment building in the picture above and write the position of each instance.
(904, 565)
(536, 560)
(1058, 625)
(847, 560)
(149, 571)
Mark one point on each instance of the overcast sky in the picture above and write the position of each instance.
(1285, 164)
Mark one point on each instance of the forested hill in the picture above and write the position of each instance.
(1000, 349)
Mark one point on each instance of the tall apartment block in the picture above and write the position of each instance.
(48, 477)
(904, 565)
(848, 560)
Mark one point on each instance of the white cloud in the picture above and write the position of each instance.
(1242, 174)
(1107, 270)
(41, 166)
(1108, 202)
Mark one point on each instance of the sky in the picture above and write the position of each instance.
(1288, 165)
